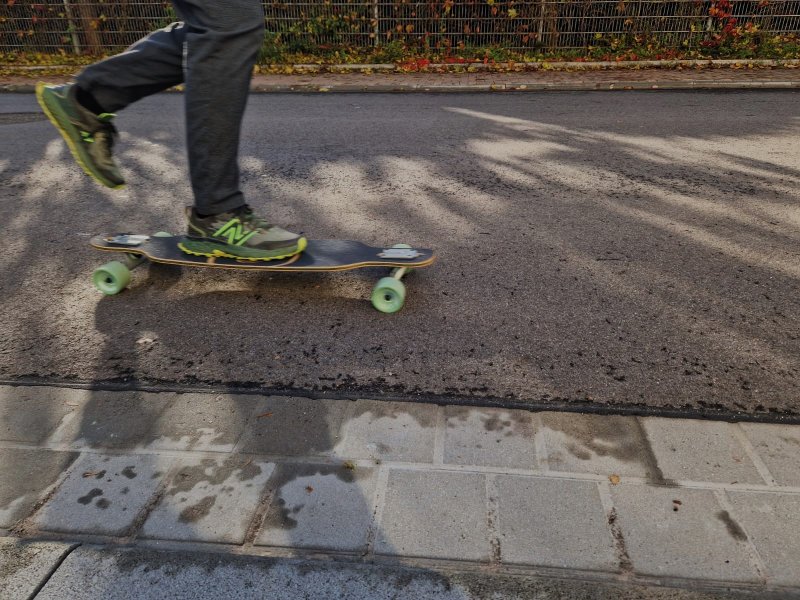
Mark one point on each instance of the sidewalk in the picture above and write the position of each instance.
(649, 501)
(531, 81)
(539, 80)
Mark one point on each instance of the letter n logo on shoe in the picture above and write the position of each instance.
(234, 233)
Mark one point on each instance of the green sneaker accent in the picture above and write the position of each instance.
(239, 234)
(90, 137)
(234, 231)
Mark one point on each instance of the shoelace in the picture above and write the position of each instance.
(247, 216)
(106, 134)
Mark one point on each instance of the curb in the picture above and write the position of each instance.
(551, 404)
(521, 66)
(614, 86)
(526, 87)
(549, 65)
(653, 83)
(326, 574)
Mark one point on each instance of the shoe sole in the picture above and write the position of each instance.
(302, 243)
(69, 139)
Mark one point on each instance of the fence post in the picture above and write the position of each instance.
(376, 28)
(76, 46)
(542, 14)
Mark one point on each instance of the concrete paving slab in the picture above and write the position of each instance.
(599, 444)
(203, 422)
(90, 573)
(25, 476)
(25, 566)
(489, 437)
(553, 523)
(209, 500)
(694, 450)
(295, 427)
(435, 515)
(30, 414)
(163, 421)
(103, 494)
(399, 431)
(778, 446)
(772, 520)
(321, 507)
(680, 532)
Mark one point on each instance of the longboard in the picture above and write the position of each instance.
(320, 255)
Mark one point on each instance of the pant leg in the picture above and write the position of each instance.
(222, 42)
(151, 65)
(213, 52)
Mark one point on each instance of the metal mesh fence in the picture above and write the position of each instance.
(83, 26)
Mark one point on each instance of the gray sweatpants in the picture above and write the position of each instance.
(213, 52)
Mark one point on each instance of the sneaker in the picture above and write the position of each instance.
(90, 137)
(239, 234)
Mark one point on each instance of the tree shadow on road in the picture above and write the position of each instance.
(588, 252)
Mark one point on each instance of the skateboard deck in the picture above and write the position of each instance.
(320, 255)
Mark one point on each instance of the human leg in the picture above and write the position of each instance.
(83, 111)
(222, 41)
(213, 51)
(151, 65)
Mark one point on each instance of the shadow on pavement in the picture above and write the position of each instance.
(608, 249)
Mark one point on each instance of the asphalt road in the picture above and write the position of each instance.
(608, 248)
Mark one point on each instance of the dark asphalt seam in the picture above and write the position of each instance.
(52, 572)
(352, 394)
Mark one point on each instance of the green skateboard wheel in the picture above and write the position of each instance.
(389, 295)
(162, 234)
(111, 278)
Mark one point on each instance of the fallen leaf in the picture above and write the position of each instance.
(614, 479)
(263, 415)
(349, 465)
(91, 473)
(309, 489)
